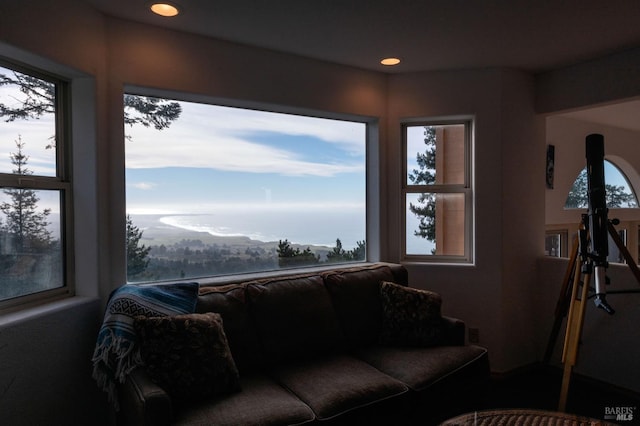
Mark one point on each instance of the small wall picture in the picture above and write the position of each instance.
(550, 165)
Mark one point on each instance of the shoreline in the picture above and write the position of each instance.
(157, 233)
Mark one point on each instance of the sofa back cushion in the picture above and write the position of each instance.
(187, 355)
(355, 294)
(410, 316)
(294, 318)
(230, 302)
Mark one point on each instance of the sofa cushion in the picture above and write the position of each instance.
(420, 368)
(262, 401)
(231, 303)
(187, 355)
(410, 317)
(294, 318)
(356, 296)
(337, 384)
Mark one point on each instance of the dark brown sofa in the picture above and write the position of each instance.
(307, 351)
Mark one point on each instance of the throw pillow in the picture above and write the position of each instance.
(410, 317)
(187, 355)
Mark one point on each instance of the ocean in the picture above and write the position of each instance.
(308, 228)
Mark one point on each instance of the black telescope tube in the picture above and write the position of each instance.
(597, 198)
(598, 221)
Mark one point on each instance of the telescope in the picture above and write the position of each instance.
(592, 243)
(595, 252)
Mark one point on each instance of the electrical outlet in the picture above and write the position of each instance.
(474, 335)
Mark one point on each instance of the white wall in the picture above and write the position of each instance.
(494, 293)
(607, 79)
(568, 137)
(45, 351)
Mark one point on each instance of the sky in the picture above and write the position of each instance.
(217, 158)
(36, 134)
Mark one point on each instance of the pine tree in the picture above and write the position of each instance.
(425, 209)
(358, 253)
(616, 196)
(23, 222)
(290, 257)
(39, 98)
(337, 254)
(137, 255)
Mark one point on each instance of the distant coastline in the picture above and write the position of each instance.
(157, 233)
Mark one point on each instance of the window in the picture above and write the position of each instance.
(215, 190)
(35, 189)
(556, 243)
(615, 254)
(437, 191)
(619, 192)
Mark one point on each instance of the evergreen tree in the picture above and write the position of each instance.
(150, 112)
(23, 222)
(337, 254)
(616, 196)
(425, 175)
(358, 253)
(137, 255)
(578, 198)
(39, 98)
(290, 257)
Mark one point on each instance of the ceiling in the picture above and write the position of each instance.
(427, 35)
(534, 35)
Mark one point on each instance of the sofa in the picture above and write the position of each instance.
(350, 345)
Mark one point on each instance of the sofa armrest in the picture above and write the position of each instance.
(142, 402)
(454, 331)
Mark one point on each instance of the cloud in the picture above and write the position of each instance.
(198, 207)
(228, 154)
(220, 138)
(145, 186)
(241, 121)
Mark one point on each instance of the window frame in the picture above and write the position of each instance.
(563, 237)
(465, 188)
(61, 182)
(613, 164)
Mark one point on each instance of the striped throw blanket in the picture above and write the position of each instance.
(116, 353)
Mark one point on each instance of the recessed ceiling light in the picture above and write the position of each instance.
(165, 9)
(390, 61)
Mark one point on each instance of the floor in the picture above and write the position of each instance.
(540, 388)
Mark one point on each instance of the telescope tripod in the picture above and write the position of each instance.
(573, 298)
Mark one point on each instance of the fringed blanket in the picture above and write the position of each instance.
(116, 353)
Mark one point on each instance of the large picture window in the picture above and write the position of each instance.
(215, 190)
(437, 191)
(35, 189)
